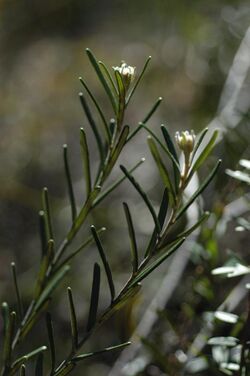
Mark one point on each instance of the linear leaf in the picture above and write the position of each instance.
(28, 356)
(138, 80)
(47, 214)
(144, 273)
(146, 119)
(86, 162)
(205, 152)
(69, 182)
(101, 77)
(42, 231)
(93, 126)
(107, 349)
(173, 152)
(9, 333)
(106, 71)
(199, 190)
(133, 244)
(6, 317)
(83, 213)
(105, 262)
(161, 167)
(22, 370)
(79, 249)
(52, 284)
(144, 197)
(189, 231)
(46, 260)
(99, 110)
(116, 184)
(117, 151)
(199, 141)
(73, 321)
(94, 297)
(176, 163)
(52, 349)
(18, 295)
(39, 365)
(161, 217)
(121, 103)
(65, 370)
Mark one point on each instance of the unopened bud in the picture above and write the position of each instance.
(185, 140)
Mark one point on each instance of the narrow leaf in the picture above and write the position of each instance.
(73, 321)
(107, 349)
(99, 110)
(51, 342)
(69, 182)
(6, 317)
(42, 231)
(205, 152)
(176, 163)
(173, 152)
(156, 263)
(7, 346)
(22, 370)
(161, 217)
(116, 184)
(161, 167)
(28, 356)
(18, 296)
(121, 103)
(39, 365)
(83, 214)
(144, 197)
(199, 141)
(105, 262)
(189, 231)
(117, 151)
(47, 214)
(138, 80)
(86, 162)
(146, 119)
(46, 260)
(108, 75)
(79, 249)
(93, 126)
(133, 245)
(199, 191)
(94, 297)
(101, 77)
(52, 284)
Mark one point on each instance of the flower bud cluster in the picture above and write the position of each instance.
(185, 140)
(127, 72)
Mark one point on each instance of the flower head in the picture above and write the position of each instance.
(127, 72)
(185, 140)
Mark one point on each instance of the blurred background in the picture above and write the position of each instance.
(193, 45)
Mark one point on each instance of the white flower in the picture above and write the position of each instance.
(127, 72)
(185, 140)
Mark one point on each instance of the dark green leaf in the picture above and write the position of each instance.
(101, 77)
(51, 341)
(69, 182)
(93, 126)
(117, 151)
(47, 214)
(199, 141)
(18, 296)
(172, 151)
(161, 217)
(176, 163)
(6, 317)
(189, 231)
(22, 370)
(161, 167)
(108, 75)
(94, 297)
(138, 80)
(144, 273)
(99, 110)
(105, 262)
(52, 284)
(45, 263)
(144, 197)
(133, 245)
(39, 365)
(116, 184)
(199, 190)
(205, 152)
(107, 349)
(28, 356)
(86, 162)
(121, 103)
(73, 321)
(42, 231)
(9, 334)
